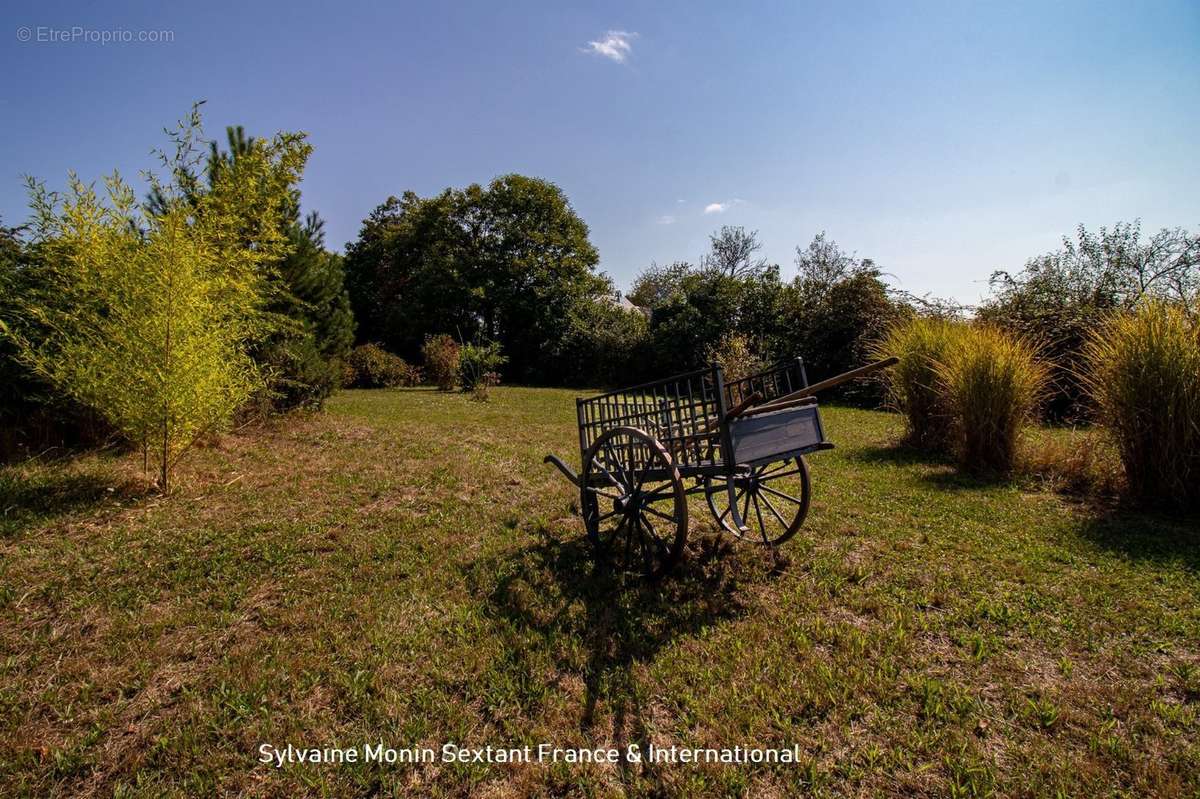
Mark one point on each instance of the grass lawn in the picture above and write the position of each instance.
(404, 569)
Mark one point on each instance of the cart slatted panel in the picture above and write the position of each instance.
(781, 379)
(682, 412)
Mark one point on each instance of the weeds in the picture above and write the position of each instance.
(1083, 462)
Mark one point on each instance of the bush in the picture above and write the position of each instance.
(441, 361)
(604, 345)
(912, 384)
(371, 366)
(832, 326)
(992, 384)
(735, 356)
(299, 375)
(479, 367)
(1143, 373)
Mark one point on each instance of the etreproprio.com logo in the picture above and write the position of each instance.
(79, 34)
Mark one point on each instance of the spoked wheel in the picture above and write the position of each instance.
(772, 500)
(633, 502)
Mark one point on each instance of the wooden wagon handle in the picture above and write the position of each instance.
(836, 380)
(778, 406)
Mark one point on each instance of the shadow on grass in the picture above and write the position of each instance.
(1143, 536)
(941, 471)
(29, 496)
(555, 593)
(1131, 531)
(896, 455)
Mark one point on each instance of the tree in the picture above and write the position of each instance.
(655, 285)
(145, 312)
(506, 263)
(1058, 298)
(833, 311)
(310, 325)
(18, 387)
(693, 320)
(313, 324)
(732, 252)
(537, 264)
(823, 264)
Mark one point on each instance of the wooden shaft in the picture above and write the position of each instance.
(831, 382)
(778, 406)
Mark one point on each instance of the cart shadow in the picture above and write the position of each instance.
(555, 590)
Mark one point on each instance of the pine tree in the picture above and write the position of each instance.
(311, 326)
(314, 324)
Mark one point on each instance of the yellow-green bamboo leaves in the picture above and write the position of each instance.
(146, 313)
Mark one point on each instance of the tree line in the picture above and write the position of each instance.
(164, 317)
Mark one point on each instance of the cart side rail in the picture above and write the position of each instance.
(770, 384)
(682, 412)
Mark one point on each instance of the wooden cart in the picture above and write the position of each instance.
(741, 443)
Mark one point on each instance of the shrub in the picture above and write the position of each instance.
(735, 356)
(912, 384)
(604, 345)
(832, 311)
(479, 367)
(441, 361)
(481, 391)
(992, 384)
(1143, 372)
(298, 374)
(371, 366)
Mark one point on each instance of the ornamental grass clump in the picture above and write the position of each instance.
(913, 385)
(1143, 373)
(992, 383)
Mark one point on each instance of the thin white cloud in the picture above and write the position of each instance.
(616, 45)
(720, 208)
(666, 219)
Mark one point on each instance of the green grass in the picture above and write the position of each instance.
(405, 569)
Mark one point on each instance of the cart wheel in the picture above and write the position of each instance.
(772, 499)
(633, 503)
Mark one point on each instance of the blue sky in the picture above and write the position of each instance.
(942, 140)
